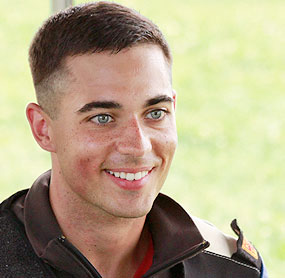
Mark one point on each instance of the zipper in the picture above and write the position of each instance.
(86, 264)
(95, 274)
(192, 253)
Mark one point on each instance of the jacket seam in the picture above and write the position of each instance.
(79, 261)
(229, 259)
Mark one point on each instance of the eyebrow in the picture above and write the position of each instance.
(99, 104)
(115, 105)
(158, 99)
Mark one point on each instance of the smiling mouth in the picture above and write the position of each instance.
(129, 176)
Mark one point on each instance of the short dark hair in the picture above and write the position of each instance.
(89, 28)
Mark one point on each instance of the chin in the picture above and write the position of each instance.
(131, 212)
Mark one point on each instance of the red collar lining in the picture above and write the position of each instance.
(147, 261)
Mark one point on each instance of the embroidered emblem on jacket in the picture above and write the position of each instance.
(247, 246)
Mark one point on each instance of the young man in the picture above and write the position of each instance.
(105, 112)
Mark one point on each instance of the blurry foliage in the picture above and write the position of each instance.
(229, 73)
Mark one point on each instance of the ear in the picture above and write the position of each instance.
(174, 96)
(40, 125)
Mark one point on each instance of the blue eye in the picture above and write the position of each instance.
(156, 114)
(102, 119)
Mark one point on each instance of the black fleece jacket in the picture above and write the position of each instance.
(32, 244)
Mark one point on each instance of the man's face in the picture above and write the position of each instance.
(115, 135)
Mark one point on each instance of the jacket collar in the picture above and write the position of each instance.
(174, 234)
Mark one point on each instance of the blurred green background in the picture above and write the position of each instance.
(229, 73)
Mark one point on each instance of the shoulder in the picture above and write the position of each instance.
(239, 250)
(220, 242)
(17, 258)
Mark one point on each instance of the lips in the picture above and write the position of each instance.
(130, 179)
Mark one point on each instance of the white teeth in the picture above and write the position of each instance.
(138, 176)
(129, 176)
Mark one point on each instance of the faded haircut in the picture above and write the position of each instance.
(85, 29)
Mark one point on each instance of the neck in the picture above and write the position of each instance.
(113, 245)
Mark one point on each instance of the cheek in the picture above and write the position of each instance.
(81, 157)
(82, 173)
(170, 139)
(166, 144)
(84, 167)
(170, 147)
(89, 151)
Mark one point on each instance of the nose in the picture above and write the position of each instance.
(133, 139)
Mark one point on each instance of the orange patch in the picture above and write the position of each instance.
(247, 246)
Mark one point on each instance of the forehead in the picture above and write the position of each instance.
(139, 70)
